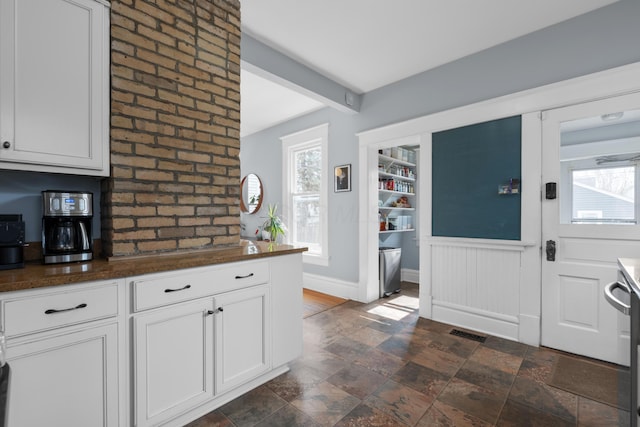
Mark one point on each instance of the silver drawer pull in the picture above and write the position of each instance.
(54, 311)
(244, 277)
(176, 290)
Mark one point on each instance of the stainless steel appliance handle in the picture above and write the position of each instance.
(615, 302)
(84, 237)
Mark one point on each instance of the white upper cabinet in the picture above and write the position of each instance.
(54, 86)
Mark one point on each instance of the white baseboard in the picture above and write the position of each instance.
(330, 286)
(458, 316)
(407, 275)
(530, 329)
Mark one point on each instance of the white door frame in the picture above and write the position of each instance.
(603, 84)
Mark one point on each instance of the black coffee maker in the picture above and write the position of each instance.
(66, 226)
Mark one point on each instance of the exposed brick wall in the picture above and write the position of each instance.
(175, 127)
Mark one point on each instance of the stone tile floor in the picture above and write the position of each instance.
(379, 364)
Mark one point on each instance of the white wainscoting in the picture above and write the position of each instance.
(476, 284)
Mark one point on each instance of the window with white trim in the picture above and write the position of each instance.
(599, 180)
(305, 191)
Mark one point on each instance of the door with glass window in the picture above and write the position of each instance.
(591, 154)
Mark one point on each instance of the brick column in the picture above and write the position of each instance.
(175, 127)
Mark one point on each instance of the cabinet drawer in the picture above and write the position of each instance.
(150, 292)
(35, 313)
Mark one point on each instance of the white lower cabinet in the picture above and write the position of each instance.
(202, 335)
(243, 340)
(173, 360)
(66, 380)
(64, 351)
(187, 353)
(159, 349)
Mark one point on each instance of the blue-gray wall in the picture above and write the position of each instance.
(600, 40)
(603, 39)
(261, 154)
(20, 193)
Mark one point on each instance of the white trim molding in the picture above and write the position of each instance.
(330, 285)
(477, 320)
(304, 139)
(410, 275)
(504, 245)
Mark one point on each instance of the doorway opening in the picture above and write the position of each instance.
(397, 201)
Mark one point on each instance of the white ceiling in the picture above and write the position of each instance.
(264, 103)
(367, 44)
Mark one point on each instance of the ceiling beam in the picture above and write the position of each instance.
(266, 62)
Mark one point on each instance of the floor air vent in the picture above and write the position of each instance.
(468, 335)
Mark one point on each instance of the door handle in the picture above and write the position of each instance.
(551, 250)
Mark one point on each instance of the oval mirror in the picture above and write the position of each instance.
(250, 194)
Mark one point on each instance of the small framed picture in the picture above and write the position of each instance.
(342, 178)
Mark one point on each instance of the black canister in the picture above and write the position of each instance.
(11, 242)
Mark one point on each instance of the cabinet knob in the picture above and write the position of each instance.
(6, 144)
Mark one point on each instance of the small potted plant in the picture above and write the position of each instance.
(273, 226)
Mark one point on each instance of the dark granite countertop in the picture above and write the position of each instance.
(37, 275)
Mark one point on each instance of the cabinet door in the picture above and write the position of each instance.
(173, 360)
(68, 380)
(54, 85)
(243, 341)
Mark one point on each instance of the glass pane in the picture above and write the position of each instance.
(308, 174)
(598, 157)
(306, 221)
(604, 195)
